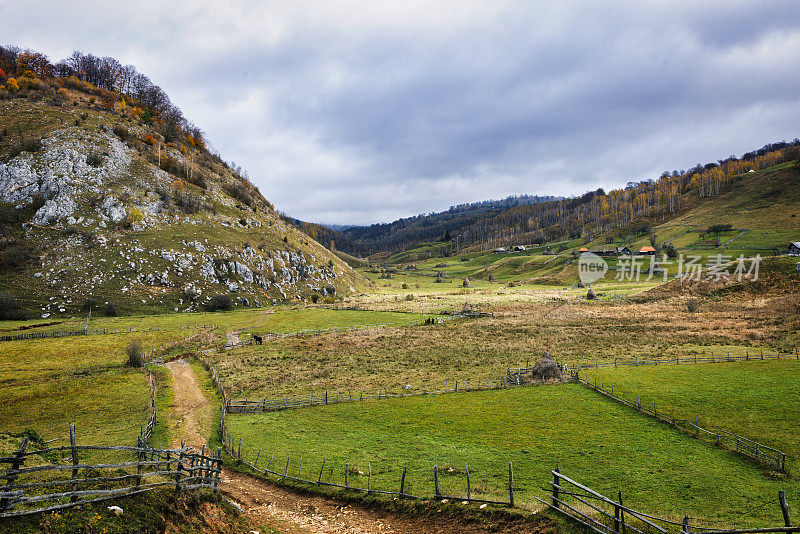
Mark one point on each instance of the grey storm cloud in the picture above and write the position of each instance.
(356, 112)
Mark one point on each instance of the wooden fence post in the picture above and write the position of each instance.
(74, 452)
(346, 475)
(556, 484)
(286, 471)
(621, 512)
(469, 487)
(510, 484)
(257, 457)
(319, 478)
(178, 471)
(218, 467)
(436, 481)
(140, 455)
(369, 476)
(784, 508)
(19, 459)
(685, 524)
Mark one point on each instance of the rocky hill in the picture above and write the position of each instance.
(96, 206)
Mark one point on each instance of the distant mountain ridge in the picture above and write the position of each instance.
(537, 219)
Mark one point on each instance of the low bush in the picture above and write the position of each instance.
(186, 200)
(89, 304)
(32, 144)
(95, 159)
(219, 303)
(121, 132)
(692, 305)
(135, 353)
(11, 308)
(110, 310)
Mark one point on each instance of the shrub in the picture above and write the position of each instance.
(12, 86)
(11, 308)
(692, 305)
(240, 192)
(149, 139)
(405, 286)
(410, 296)
(95, 159)
(718, 228)
(121, 132)
(186, 200)
(32, 144)
(315, 298)
(89, 304)
(135, 353)
(219, 303)
(110, 310)
(135, 216)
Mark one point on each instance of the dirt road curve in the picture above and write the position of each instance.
(264, 503)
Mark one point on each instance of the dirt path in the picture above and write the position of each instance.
(191, 411)
(266, 504)
(232, 336)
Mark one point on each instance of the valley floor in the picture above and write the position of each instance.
(49, 383)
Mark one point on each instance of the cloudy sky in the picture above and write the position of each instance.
(360, 112)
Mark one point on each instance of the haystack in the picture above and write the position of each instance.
(590, 295)
(466, 283)
(466, 309)
(491, 277)
(546, 368)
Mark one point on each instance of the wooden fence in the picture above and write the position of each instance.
(96, 331)
(605, 515)
(325, 397)
(41, 487)
(147, 432)
(755, 355)
(752, 449)
(234, 449)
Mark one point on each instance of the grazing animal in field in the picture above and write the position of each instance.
(258, 339)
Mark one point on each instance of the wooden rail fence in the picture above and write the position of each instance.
(43, 487)
(96, 331)
(752, 449)
(596, 511)
(147, 432)
(234, 450)
(605, 515)
(325, 397)
(755, 355)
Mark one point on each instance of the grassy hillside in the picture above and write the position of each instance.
(90, 214)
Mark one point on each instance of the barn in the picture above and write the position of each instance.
(647, 251)
(794, 247)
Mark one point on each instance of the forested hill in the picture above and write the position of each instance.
(444, 225)
(531, 219)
